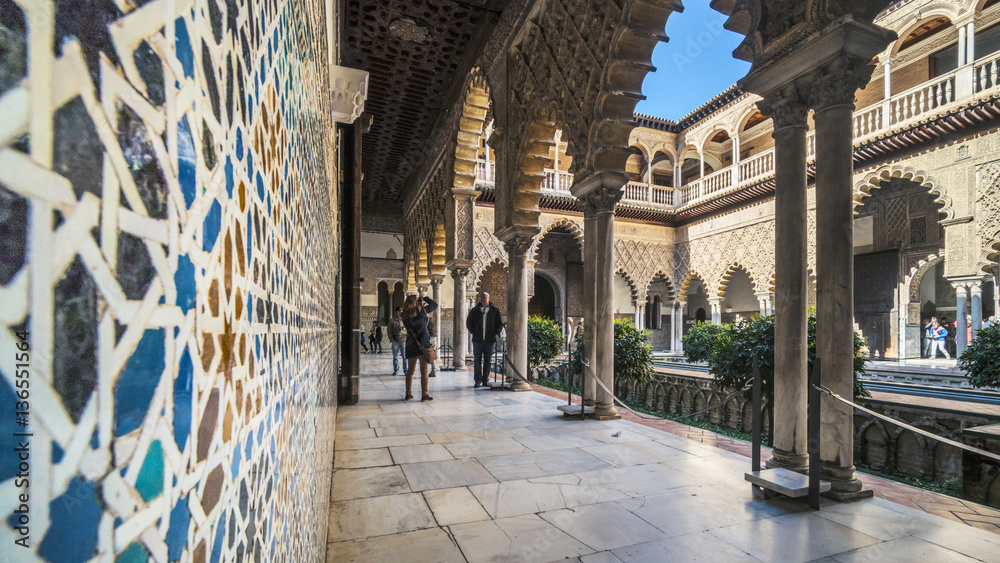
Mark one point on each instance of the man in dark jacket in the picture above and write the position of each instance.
(484, 324)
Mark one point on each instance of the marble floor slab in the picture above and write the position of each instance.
(499, 476)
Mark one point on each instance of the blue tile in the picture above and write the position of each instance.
(80, 512)
(177, 533)
(211, 227)
(182, 400)
(186, 161)
(185, 283)
(138, 381)
(182, 46)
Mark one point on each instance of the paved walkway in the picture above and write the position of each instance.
(477, 475)
(957, 510)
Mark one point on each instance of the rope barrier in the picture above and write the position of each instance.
(959, 445)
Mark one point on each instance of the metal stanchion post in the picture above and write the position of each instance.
(757, 384)
(812, 433)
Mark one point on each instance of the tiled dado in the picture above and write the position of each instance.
(167, 236)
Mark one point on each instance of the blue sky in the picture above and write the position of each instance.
(695, 65)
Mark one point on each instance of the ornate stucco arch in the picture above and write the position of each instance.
(988, 216)
(874, 180)
(578, 66)
(663, 272)
(632, 286)
(470, 130)
(728, 274)
(572, 226)
(488, 249)
(682, 291)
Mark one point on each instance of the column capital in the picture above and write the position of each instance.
(518, 245)
(464, 193)
(458, 272)
(600, 201)
(715, 300)
(836, 82)
(785, 107)
(436, 279)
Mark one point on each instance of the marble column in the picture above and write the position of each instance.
(602, 206)
(640, 310)
(589, 234)
(436, 280)
(790, 280)
(976, 304)
(458, 331)
(678, 327)
(832, 89)
(517, 307)
(715, 304)
(961, 325)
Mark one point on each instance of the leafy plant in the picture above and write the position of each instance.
(981, 360)
(545, 341)
(731, 360)
(633, 354)
(699, 342)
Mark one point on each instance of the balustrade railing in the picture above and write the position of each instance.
(926, 97)
(986, 73)
(557, 180)
(485, 172)
(643, 193)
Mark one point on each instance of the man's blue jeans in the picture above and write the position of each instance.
(481, 353)
(400, 349)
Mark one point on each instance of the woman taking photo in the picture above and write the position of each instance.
(418, 342)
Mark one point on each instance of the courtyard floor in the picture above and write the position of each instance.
(479, 475)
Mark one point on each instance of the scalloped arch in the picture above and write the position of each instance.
(730, 270)
(873, 181)
(632, 286)
(682, 291)
(572, 226)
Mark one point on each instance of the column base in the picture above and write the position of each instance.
(844, 484)
(604, 412)
(460, 368)
(787, 460)
(520, 386)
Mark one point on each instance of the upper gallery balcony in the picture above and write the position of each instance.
(935, 97)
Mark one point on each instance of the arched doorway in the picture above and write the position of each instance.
(384, 303)
(398, 296)
(696, 296)
(559, 264)
(543, 302)
(895, 226)
(658, 295)
(739, 301)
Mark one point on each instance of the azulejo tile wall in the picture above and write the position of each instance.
(168, 240)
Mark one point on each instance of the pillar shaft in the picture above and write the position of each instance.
(976, 304)
(517, 308)
(459, 311)
(604, 306)
(790, 278)
(834, 94)
(961, 324)
(589, 244)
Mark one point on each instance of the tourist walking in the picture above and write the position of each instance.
(938, 336)
(418, 342)
(989, 322)
(397, 341)
(484, 324)
(376, 337)
(928, 337)
(363, 338)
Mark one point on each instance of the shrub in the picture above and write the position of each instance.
(981, 360)
(633, 354)
(699, 342)
(735, 345)
(545, 341)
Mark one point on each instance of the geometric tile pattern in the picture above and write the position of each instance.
(169, 242)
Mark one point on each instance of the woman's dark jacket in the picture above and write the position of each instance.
(416, 330)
